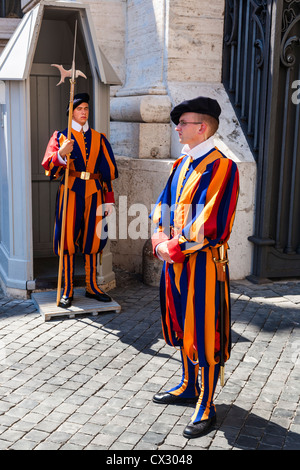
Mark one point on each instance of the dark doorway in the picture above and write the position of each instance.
(48, 104)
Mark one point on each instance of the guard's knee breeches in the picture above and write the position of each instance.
(205, 408)
(189, 386)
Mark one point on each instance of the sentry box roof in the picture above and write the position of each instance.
(58, 19)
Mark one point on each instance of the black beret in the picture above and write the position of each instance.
(201, 105)
(78, 99)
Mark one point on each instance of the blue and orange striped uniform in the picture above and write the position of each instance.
(195, 213)
(86, 230)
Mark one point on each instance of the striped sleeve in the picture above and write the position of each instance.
(108, 168)
(50, 163)
(214, 206)
(161, 212)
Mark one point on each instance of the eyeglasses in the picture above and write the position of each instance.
(184, 123)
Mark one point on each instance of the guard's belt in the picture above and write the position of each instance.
(85, 175)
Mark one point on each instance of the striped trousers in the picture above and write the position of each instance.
(90, 274)
(85, 232)
(189, 387)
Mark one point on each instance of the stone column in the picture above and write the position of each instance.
(173, 53)
(140, 112)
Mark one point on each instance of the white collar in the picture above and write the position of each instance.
(77, 127)
(199, 150)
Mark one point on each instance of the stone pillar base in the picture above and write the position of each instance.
(141, 140)
(140, 126)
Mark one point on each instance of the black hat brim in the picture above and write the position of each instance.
(78, 99)
(200, 105)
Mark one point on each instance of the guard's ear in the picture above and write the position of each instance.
(203, 128)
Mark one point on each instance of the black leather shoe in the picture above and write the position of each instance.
(65, 302)
(166, 398)
(193, 430)
(101, 297)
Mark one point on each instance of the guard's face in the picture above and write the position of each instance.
(81, 113)
(189, 129)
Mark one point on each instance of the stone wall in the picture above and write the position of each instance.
(173, 52)
(164, 52)
(109, 17)
(195, 41)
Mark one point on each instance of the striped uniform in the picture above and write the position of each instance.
(195, 213)
(85, 230)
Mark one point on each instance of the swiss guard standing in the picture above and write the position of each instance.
(194, 216)
(90, 196)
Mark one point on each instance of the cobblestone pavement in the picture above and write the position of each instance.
(87, 383)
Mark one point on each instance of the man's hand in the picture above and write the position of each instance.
(66, 147)
(163, 252)
(108, 209)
